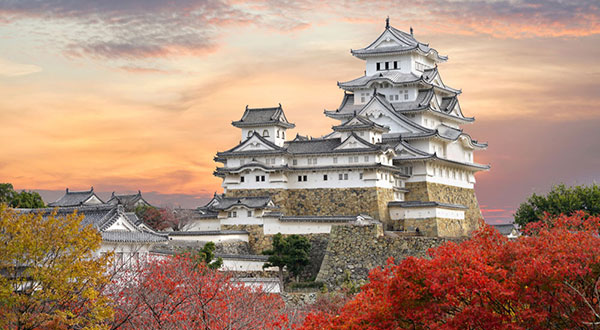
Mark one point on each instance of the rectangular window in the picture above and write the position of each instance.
(362, 99)
(295, 162)
(258, 178)
(335, 160)
(396, 97)
(360, 176)
(340, 176)
(324, 177)
(302, 178)
(345, 176)
(378, 66)
(387, 65)
(299, 178)
(242, 179)
(391, 97)
(249, 213)
(366, 158)
(305, 178)
(395, 64)
(262, 178)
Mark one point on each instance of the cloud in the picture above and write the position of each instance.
(13, 69)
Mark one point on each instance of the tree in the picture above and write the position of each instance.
(290, 252)
(49, 274)
(560, 200)
(207, 256)
(23, 199)
(177, 293)
(159, 218)
(549, 279)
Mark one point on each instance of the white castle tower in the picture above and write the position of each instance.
(398, 153)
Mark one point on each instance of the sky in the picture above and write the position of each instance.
(140, 94)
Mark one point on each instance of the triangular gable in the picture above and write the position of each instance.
(93, 200)
(354, 142)
(383, 114)
(122, 223)
(404, 150)
(254, 143)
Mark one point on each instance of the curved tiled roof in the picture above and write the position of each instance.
(411, 204)
(406, 43)
(75, 198)
(263, 116)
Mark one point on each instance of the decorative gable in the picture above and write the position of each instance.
(352, 142)
(253, 143)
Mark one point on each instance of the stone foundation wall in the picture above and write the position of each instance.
(357, 249)
(435, 192)
(322, 201)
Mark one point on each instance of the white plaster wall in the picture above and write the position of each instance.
(404, 62)
(272, 133)
(203, 225)
(242, 217)
(266, 285)
(273, 226)
(211, 238)
(399, 213)
(244, 265)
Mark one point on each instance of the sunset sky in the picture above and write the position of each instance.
(140, 94)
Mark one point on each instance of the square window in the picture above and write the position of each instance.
(324, 177)
(295, 162)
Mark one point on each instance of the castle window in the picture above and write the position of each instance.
(249, 213)
(324, 177)
(312, 161)
(396, 97)
(283, 135)
(302, 178)
(258, 178)
(262, 178)
(232, 214)
(250, 132)
(360, 175)
(353, 159)
(265, 133)
(295, 162)
(378, 66)
(335, 160)
(343, 176)
(406, 94)
(242, 179)
(396, 65)
(277, 133)
(387, 65)
(366, 158)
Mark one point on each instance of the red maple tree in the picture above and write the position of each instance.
(177, 293)
(548, 279)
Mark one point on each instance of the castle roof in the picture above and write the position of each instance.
(102, 217)
(225, 203)
(127, 200)
(254, 117)
(418, 204)
(394, 41)
(77, 198)
(360, 123)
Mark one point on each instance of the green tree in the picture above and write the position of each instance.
(290, 252)
(207, 256)
(560, 200)
(7, 193)
(23, 199)
(50, 276)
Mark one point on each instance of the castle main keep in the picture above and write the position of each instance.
(397, 154)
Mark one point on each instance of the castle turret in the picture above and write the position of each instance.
(270, 123)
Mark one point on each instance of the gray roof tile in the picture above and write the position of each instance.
(74, 198)
(263, 116)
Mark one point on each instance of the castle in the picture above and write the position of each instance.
(398, 155)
